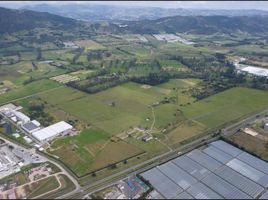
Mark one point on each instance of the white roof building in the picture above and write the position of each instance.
(52, 131)
(256, 71)
(21, 117)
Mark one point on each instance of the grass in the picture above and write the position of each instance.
(184, 131)
(67, 186)
(91, 150)
(130, 107)
(30, 89)
(44, 186)
(251, 144)
(226, 106)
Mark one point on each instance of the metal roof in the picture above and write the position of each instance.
(177, 175)
(227, 148)
(200, 191)
(224, 188)
(52, 131)
(241, 182)
(199, 174)
(161, 183)
(184, 195)
(30, 126)
(254, 162)
(264, 195)
(204, 160)
(217, 154)
(248, 171)
(192, 167)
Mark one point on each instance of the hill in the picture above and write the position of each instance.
(200, 24)
(12, 20)
(113, 13)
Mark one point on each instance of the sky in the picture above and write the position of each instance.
(261, 5)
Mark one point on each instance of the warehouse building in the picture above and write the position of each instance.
(50, 132)
(18, 117)
(216, 171)
(31, 126)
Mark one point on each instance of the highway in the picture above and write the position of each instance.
(227, 131)
(85, 190)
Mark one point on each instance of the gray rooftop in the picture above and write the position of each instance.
(217, 171)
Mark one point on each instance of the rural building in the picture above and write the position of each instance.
(31, 126)
(256, 71)
(266, 127)
(147, 138)
(50, 132)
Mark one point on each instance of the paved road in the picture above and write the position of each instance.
(44, 159)
(243, 123)
(227, 131)
(137, 168)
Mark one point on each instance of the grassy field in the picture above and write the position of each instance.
(43, 186)
(226, 106)
(30, 89)
(92, 149)
(88, 44)
(130, 107)
(251, 144)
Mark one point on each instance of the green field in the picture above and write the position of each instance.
(226, 106)
(30, 89)
(92, 149)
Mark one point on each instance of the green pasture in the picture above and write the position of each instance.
(226, 106)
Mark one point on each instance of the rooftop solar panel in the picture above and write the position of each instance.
(200, 191)
(204, 160)
(184, 195)
(254, 162)
(177, 175)
(217, 154)
(161, 183)
(192, 167)
(224, 188)
(248, 171)
(227, 148)
(241, 182)
(264, 195)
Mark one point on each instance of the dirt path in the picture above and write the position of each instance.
(60, 185)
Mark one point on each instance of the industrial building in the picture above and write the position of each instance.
(31, 126)
(50, 132)
(218, 171)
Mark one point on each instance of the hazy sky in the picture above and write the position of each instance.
(263, 5)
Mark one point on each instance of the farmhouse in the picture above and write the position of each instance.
(52, 131)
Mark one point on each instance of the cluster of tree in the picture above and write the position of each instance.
(78, 52)
(39, 54)
(152, 78)
(36, 111)
(98, 83)
(98, 55)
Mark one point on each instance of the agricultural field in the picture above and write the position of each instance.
(226, 106)
(91, 150)
(30, 89)
(88, 44)
(250, 144)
